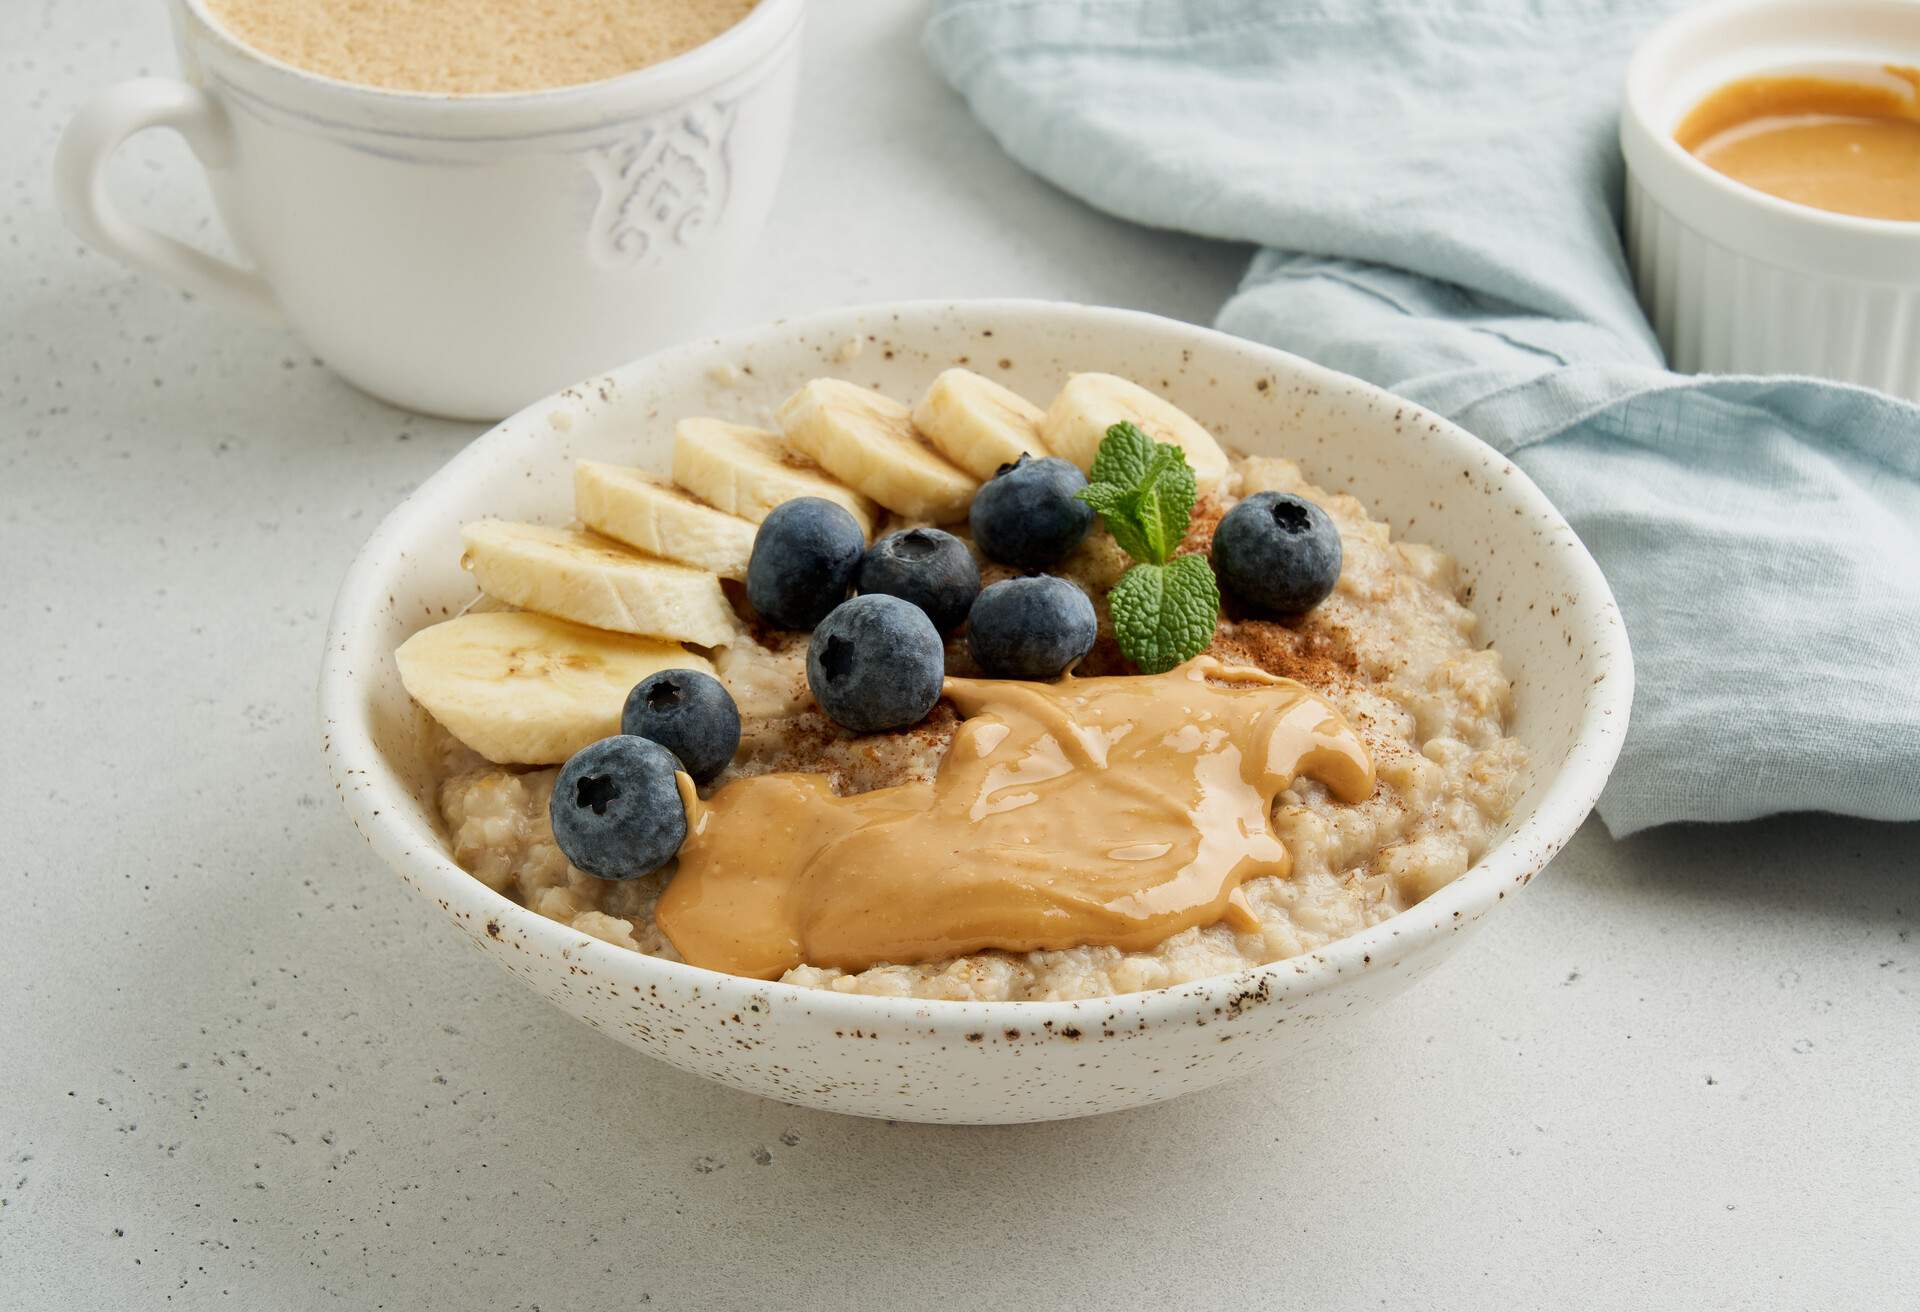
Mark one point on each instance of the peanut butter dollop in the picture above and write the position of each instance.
(1114, 811)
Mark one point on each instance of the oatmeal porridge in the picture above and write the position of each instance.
(1390, 654)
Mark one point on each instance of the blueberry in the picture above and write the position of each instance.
(876, 663)
(1027, 515)
(691, 714)
(804, 559)
(1032, 628)
(930, 568)
(616, 810)
(1277, 554)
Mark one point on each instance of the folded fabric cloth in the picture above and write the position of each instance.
(1437, 187)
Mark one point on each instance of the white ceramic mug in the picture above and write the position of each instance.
(460, 255)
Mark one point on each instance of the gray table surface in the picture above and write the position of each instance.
(242, 1065)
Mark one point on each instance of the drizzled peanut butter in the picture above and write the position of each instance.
(1114, 811)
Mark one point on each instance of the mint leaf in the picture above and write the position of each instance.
(1163, 505)
(1117, 506)
(1123, 457)
(1164, 614)
(1104, 497)
(1144, 491)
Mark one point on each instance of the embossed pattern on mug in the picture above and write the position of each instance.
(666, 184)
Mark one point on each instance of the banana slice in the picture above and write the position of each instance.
(1092, 403)
(978, 424)
(748, 471)
(589, 579)
(645, 511)
(525, 689)
(867, 441)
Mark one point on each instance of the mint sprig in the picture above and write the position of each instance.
(1164, 614)
(1164, 607)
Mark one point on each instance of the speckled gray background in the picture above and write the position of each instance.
(242, 1066)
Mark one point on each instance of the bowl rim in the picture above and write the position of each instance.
(1781, 231)
(369, 787)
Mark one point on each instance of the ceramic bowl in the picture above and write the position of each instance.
(1540, 597)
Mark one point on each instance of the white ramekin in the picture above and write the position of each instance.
(1735, 280)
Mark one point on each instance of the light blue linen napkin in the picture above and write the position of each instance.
(1437, 187)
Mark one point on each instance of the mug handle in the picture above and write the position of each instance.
(80, 183)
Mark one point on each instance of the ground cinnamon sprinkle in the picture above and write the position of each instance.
(1207, 513)
(810, 742)
(1320, 656)
(1106, 658)
(936, 730)
(766, 635)
(808, 733)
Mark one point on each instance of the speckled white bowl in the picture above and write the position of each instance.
(1540, 597)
